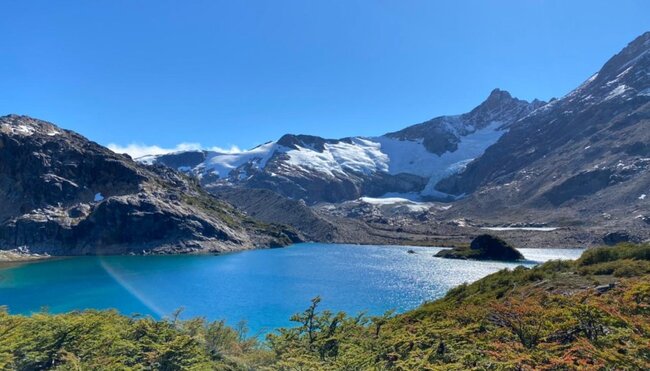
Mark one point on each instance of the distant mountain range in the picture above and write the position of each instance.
(315, 169)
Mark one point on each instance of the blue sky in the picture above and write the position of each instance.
(225, 73)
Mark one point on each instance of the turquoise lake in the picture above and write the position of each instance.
(263, 287)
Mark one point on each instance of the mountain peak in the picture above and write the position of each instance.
(500, 106)
(22, 125)
(497, 98)
(498, 94)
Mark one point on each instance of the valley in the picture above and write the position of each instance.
(298, 186)
(578, 164)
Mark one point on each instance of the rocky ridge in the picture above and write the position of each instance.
(62, 194)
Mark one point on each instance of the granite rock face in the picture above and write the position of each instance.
(62, 194)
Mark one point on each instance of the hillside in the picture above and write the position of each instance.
(579, 160)
(62, 194)
(588, 314)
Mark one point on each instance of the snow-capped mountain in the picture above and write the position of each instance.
(411, 160)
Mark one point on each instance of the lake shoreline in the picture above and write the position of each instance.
(13, 258)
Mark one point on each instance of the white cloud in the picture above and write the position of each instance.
(136, 150)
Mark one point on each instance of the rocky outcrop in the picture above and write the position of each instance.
(484, 247)
(614, 238)
(64, 195)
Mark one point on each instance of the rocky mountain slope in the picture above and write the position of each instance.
(64, 195)
(268, 206)
(582, 159)
(314, 169)
(363, 221)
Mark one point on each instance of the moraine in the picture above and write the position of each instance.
(263, 287)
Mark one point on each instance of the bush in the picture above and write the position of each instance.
(618, 252)
(632, 269)
(618, 268)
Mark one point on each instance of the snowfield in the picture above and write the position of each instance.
(537, 229)
(412, 206)
(222, 164)
(361, 156)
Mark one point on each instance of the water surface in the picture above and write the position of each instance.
(263, 287)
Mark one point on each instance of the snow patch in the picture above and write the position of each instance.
(538, 229)
(395, 156)
(642, 197)
(18, 129)
(222, 163)
(385, 201)
(396, 201)
(619, 90)
(25, 130)
(411, 196)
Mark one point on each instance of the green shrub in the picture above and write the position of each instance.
(618, 252)
(618, 268)
(633, 269)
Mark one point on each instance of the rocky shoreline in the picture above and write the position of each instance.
(9, 258)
